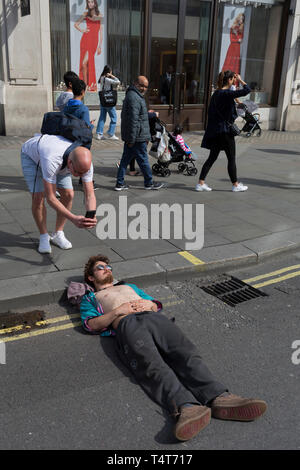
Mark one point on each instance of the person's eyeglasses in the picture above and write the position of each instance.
(100, 267)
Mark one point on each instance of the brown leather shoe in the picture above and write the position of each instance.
(192, 420)
(236, 408)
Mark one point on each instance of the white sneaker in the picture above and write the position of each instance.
(44, 245)
(112, 137)
(100, 137)
(239, 187)
(203, 187)
(59, 239)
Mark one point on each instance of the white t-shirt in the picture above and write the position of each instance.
(49, 151)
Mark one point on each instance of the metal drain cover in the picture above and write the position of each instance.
(232, 291)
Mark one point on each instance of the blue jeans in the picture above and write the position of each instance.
(102, 118)
(139, 152)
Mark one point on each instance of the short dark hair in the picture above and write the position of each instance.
(89, 267)
(177, 130)
(78, 87)
(69, 78)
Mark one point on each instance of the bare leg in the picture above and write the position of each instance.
(39, 212)
(85, 64)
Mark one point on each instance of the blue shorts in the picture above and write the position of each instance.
(34, 178)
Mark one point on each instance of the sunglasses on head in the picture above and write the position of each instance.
(100, 267)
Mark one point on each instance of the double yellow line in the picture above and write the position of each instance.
(272, 274)
(196, 261)
(40, 324)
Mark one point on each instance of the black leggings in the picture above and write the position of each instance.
(221, 142)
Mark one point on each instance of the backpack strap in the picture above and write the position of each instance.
(67, 153)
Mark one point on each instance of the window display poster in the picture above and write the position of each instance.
(235, 34)
(88, 40)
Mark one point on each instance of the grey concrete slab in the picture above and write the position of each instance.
(236, 252)
(139, 271)
(133, 249)
(76, 258)
(269, 244)
(239, 231)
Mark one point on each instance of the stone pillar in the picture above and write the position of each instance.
(26, 84)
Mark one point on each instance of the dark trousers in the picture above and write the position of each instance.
(221, 142)
(139, 152)
(164, 362)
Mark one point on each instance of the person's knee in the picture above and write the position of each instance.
(67, 195)
(37, 200)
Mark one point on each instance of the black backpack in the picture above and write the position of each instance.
(71, 127)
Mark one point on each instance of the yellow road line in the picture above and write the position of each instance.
(191, 258)
(277, 279)
(274, 273)
(65, 326)
(50, 321)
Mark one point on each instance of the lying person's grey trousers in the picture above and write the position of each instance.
(164, 362)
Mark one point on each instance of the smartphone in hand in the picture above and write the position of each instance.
(90, 214)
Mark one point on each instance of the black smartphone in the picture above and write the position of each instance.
(90, 214)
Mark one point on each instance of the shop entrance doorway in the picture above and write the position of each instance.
(179, 61)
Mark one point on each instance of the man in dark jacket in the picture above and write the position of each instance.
(135, 133)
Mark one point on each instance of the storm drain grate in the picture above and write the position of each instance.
(233, 291)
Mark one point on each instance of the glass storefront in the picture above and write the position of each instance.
(247, 43)
(183, 44)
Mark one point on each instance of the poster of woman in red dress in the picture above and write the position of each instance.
(233, 57)
(89, 24)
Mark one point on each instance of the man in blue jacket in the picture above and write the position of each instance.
(135, 133)
(162, 359)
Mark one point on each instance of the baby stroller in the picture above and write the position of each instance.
(251, 125)
(167, 150)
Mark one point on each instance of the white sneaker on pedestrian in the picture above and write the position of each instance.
(100, 137)
(203, 187)
(112, 137)
(44, 245)
(239, 187)
(59, 239)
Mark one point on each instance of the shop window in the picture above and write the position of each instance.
(124, 41)
(247, 43)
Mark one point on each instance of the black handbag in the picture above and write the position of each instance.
(108, 98)
(233, 128)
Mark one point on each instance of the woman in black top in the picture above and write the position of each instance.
(217, 136)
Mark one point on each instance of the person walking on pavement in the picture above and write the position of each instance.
(42, 161)
(135, 132)
(65, 96)
(162, 359)
(218, 135)
(106, 81)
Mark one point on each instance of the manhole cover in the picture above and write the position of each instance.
(232, 291)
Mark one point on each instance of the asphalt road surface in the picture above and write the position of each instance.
(63, 389)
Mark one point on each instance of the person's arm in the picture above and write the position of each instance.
(243, 92)
(89, 195)
(155, 305)
(76, 25)
(133, 113)
(104, 321)
(100, 39)
(86, 117)
(79, 220)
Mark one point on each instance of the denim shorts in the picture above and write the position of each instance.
(34, 178)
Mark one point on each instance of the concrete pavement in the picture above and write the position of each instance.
(240, 228)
